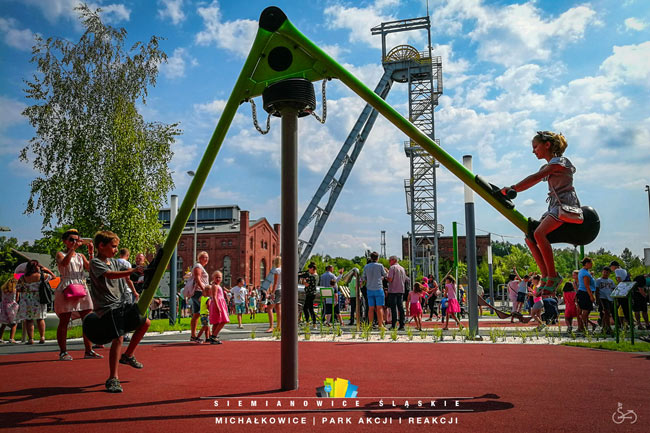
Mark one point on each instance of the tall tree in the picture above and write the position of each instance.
(101, 165)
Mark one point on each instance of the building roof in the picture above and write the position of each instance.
(25, 256)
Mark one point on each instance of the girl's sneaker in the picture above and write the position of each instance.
(130, 360)
(113, 385)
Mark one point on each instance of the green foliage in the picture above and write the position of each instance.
(393, 334)
(8, 261)
(101, 165)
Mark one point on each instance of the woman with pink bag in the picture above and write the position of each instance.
(72, 297)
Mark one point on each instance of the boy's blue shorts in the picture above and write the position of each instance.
(375, 298)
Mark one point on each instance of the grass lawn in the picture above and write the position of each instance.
(623, 346)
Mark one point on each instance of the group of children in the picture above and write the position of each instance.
(449, 305)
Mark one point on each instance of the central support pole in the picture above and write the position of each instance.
(289, 248)
(470, 237)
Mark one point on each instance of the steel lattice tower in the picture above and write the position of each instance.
(424, 78)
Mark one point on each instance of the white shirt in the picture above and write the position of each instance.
(239, 293)
(621, 273)
(126, 265)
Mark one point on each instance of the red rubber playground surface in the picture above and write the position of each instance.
(523, 388)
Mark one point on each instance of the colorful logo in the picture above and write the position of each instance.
(339, 388)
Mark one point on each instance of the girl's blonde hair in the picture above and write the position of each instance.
(277, 262)
(214, 274)
(557, 140)
(202, 253)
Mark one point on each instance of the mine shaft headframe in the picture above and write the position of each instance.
(399, 26)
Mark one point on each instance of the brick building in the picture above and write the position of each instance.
(237, 246)
(446, 247)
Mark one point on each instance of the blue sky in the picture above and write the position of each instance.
(510, 68)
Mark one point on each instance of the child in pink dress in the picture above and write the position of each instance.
(453, 306)
(217, 307)
(415, 307)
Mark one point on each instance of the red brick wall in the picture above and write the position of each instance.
(446, 247)
(237, 246)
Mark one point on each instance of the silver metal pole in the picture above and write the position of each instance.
(491, 271)
(172, 268)
(647, 188)
(289, 248)
(470, 237)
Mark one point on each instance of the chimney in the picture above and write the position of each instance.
(243, 222)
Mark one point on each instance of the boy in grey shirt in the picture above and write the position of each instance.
(107, 291)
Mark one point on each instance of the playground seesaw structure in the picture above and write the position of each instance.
(281, 67)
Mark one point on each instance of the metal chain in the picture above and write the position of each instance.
(324, 105)
(257, 125)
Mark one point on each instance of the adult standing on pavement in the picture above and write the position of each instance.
(311, 278)
(396, 278)
(275, 294)
(200, 280)
(328, 276)
(585, 296)
(71, 268)
(326, 281)
(433, 295)
(353, 301)
(373, 274)
(29, 306)
(621, 276)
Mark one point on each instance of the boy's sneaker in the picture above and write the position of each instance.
(130, 360)
(113, 385)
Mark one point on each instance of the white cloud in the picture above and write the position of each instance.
(14, 37)
(234, 36)
(635, 24)
(516, 83)
(630, 64)
(175, 66)
(52, 10)
(514, 34)
(586, 94)
(10, 112)
(172, 9)
(218, 195)
(359, 21)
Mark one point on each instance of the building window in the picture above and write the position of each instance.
(274, 249)
(251, 242)
(179, 270)
(262, 244)
(262, 270)
(250, 270)
(230, 243)
(226, 271)
(205, 244)
(266, 245)
(223, 243)
(182, 245)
